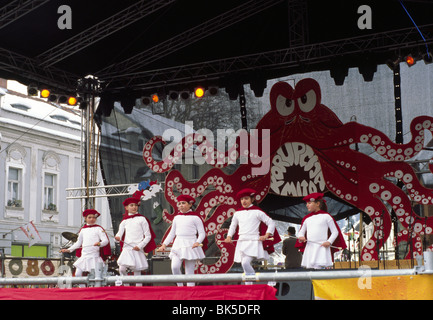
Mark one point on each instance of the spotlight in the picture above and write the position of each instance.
(199, 92)
(45, 93)
(53, 97)
(427, 57)
(32, 90)
(213, 91)
(62, 99)
(72, 101)
(155, 98)
(410, 60)
(146, 101)
(185, 95)
(173, 95)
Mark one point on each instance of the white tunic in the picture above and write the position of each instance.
(316, 227)
(248, 243)
(137, 233)
(90, 254)
(188, 229)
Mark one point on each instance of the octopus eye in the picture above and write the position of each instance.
(304, 98)
(308, 101)
(285, 106)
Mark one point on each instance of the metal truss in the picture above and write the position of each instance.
(31, 70)
(303, 56)
(101, 30)
(17, 9)
(306, 55)
(184, 39)
(420, 166)
(99, 191)
(298, 26)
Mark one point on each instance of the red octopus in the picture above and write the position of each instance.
(305, 148)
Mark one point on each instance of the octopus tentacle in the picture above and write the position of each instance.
(381, 143)
(382, 226)
(401, 203)
(205, 149)
(358, 183)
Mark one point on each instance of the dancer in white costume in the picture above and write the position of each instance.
(91, 239)
(136, 237)
(188, 231)
(317, 233)
(248, 220)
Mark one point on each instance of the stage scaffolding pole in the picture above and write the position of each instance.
(89, 88)
(99, 278)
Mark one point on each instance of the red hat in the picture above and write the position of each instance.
(131, 200)
(136, 198)
(314, 197)
(247, 192)
(91, 211)
(185, 197)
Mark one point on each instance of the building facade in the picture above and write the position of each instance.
(40, 157)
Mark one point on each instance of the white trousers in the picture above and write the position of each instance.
(248, 268)
(123, 271)
(176, 264)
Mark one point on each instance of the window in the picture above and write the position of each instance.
(50, 181)
(59, 117)
(20, 106)
(14, 187)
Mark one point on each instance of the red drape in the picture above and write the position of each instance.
(227, 292)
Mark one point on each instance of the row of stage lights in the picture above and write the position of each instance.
(51, 96)
(411, 59)
(199, 93)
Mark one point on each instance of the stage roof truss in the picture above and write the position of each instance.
(309, 54)
(187, 37)
(101, 30)
(14, 10)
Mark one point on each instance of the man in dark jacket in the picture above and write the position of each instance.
(293, 256)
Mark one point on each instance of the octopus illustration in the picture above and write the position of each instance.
(305, 148)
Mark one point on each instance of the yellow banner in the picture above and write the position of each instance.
(416, 287)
